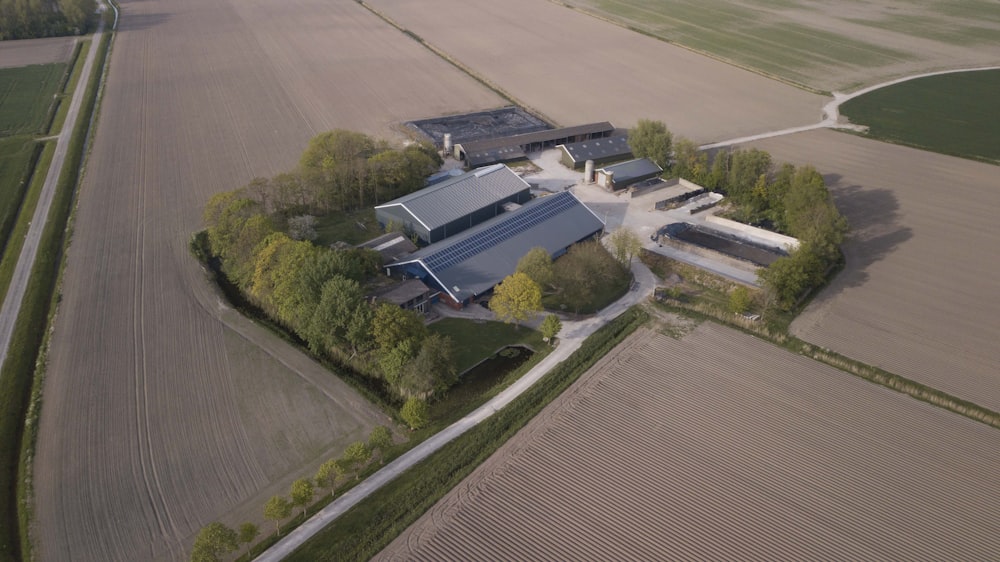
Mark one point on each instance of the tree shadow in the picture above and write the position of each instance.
(875, 230)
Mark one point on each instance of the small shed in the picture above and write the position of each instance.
(620, 176)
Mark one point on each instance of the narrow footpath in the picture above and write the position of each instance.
(26, 261)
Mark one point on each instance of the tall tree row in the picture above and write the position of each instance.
(26, 19)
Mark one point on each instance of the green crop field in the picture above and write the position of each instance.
(951, 113)
(26, 94)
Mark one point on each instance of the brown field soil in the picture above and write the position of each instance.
(35, 51)
(163, 409)
(826, 45)
(573, 69)
(918, 295)
(721, 446)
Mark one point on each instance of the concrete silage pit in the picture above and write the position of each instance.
(723, 243)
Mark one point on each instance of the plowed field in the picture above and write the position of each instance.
(918, 295)
(721, 446)
(35, 51)
(164, 410)
(576, 69)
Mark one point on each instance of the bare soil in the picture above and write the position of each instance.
(573, 68)
(718, 445)
(164, 409)
(917, 297)
(35, 51)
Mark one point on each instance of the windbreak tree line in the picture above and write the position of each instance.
(319, 293)
(28, 19)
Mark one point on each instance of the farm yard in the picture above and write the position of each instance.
(573, 68)
(720, 446)
(164, 409)
(35, 51)
(917, 295)
(824, 45)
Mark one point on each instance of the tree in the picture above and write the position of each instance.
(392, 361)
(516, 299)
(302, 227)
(214, 541)
(302, 493)
(276, 509)
(689, 162)
(739, 300)
(789, 277)
(550, 327)
(651, 139)
(248, 532)
(433, 368)
(329, 473)
(355, 456)
(393, 325)
(380, 439)
(415, 413)
(625, 244)
(537, 264)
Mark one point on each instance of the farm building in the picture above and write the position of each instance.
(390, 246)
(601, 151)
(411, 294)
(620, 176)
(451, 206)
(472, 263)
(515, 147)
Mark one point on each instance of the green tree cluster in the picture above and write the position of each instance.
(516, 299)
(652, 140)
(27, 19)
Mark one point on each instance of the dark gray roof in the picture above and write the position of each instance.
(452, 199)
(390, 246)
(637, 168)
(402, 293)
(502, 154)
(486, 145)
(474, 261)
(598, 149)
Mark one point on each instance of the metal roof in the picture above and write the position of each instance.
(474, 261)
(486, 145)
(598, 149)
(637, 168)
(390, 246)
(403, 292)
(455, 198)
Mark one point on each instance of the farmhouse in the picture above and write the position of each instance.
(506, 149)
(601, 151)
(472, 263)
(620, 176)
(451, 206)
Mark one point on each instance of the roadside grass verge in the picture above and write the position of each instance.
(17, 377)
(14, 237)
(18, 157)
(952, 114)
(475, 341)
(774, 328)
(69, 86)
(26, 94)
(372, 524)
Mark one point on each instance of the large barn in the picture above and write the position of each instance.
(472, 263)
(451, 206)
(600, 151)
(507, 149)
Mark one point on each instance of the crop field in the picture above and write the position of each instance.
(163, 408)
(917, 296)
(573, 68)
(951, 113)
(25, 96)
(35, 51)
(721, 446)
(825, 45)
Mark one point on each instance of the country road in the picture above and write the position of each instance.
(26, 261)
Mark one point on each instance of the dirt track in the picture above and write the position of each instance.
(35, 51)
(918, 294)
(164, 410)
(576, 69)
(721, 446)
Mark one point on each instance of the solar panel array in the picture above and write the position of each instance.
(518, 222)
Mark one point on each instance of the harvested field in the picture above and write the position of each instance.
(826, 45)
(573, 68)
(917, 297)
(721, 446)
(35, 51)
(163, 409)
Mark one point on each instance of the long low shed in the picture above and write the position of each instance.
(601, 151)
(472, 263)
(515, 147)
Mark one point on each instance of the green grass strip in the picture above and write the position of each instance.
(373, 523)
(62, 103)
(13, 244)
(17, 434)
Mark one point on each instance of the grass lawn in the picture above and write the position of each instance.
(347, 227)
(26, 93)
(477, 341)
(952, 114)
